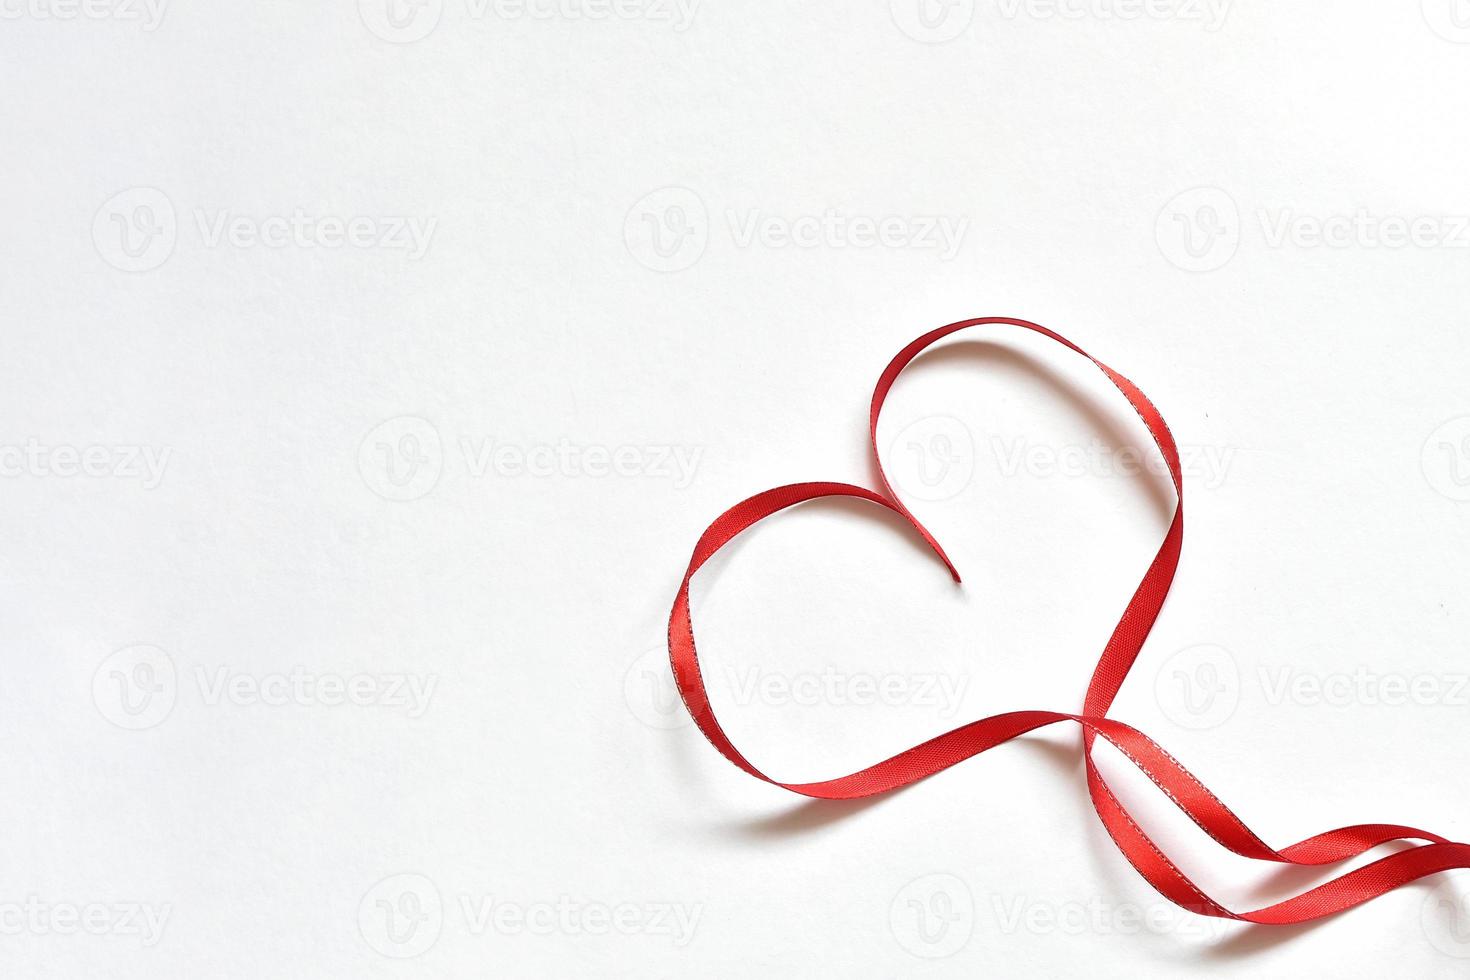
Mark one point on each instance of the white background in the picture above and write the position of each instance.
(323, 323)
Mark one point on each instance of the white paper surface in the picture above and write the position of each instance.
(371, 368)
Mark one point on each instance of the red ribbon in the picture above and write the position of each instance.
(1435, 854)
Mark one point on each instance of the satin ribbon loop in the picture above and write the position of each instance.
(1434, 854)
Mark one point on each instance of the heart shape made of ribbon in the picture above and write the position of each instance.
(1430, 855)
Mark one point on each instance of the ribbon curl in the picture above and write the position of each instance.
(1431, 855)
